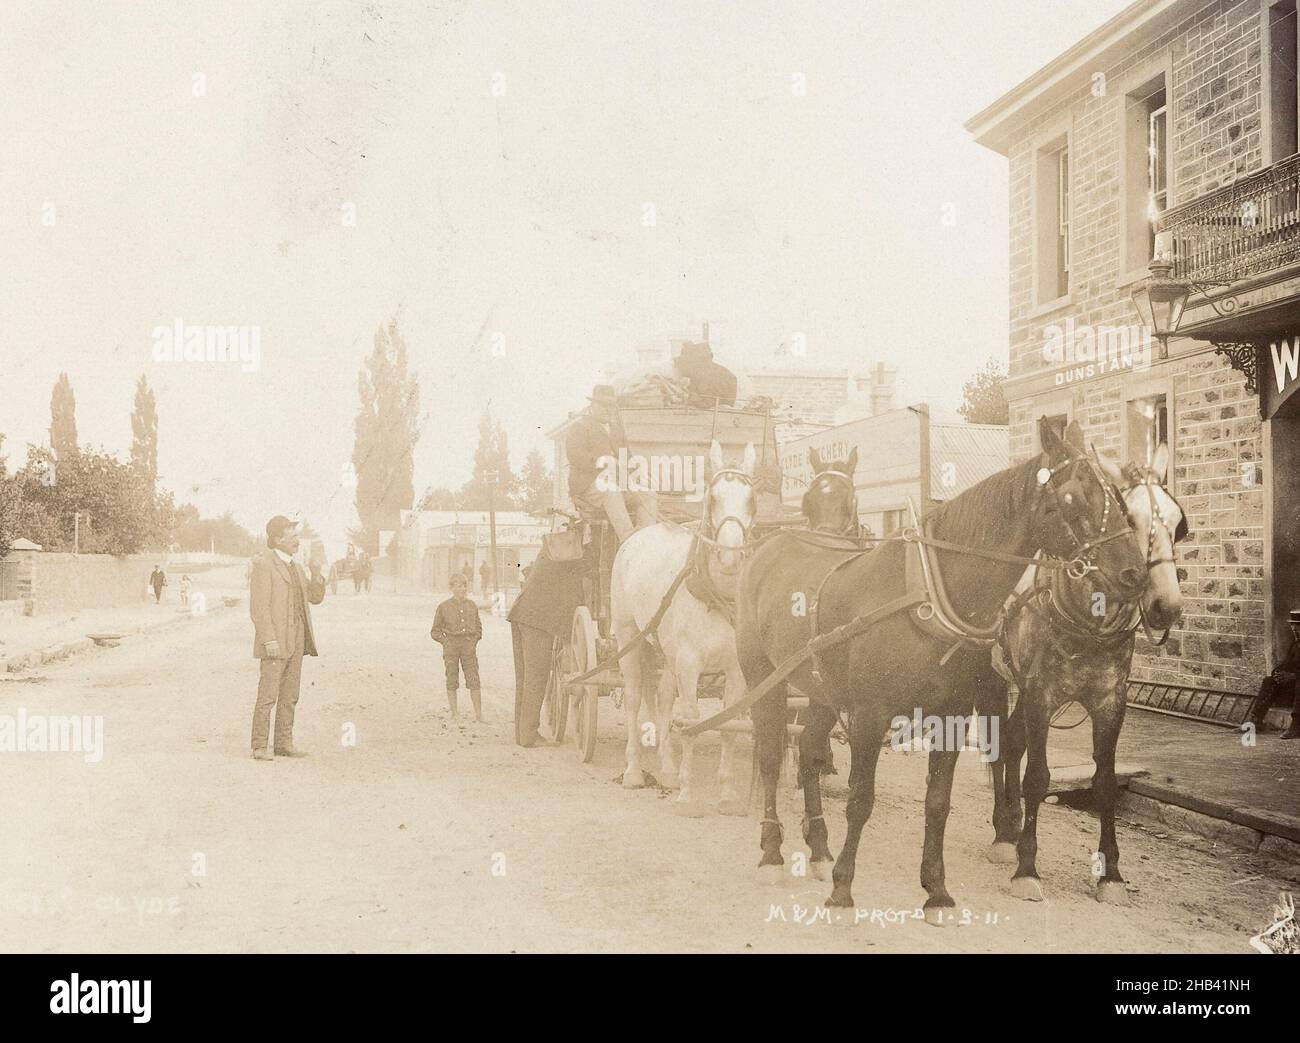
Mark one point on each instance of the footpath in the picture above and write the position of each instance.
(29, 641)
(1198, 777)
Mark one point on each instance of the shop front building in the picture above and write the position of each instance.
(1170, 134)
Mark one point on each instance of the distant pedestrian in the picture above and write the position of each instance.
(157, 580)
(1279, 687)
(457, 627)
(282, 635)
(334, 578)
(367, 566)
(484, 575)
(185, 591)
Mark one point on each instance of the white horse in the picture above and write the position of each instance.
(695, 638)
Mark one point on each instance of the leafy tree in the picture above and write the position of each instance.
(983, 401)
(63, 418)
(535, 483)
(223, 534)
(387, 428)
(144, 433)
(491, 461)
(440, 499)
(10, 503)
(95, 503)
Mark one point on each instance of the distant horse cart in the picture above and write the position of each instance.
(656, 623)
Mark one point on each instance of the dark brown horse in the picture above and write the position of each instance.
(831, 503)
(1054, 503)
(1067, 640)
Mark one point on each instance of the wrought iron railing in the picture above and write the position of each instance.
(1241, 230)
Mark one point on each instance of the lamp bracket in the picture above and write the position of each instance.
(1224, 306)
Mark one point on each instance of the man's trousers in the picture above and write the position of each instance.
(278, 688)
(532, 648)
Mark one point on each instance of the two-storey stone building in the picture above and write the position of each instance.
(1171, 131)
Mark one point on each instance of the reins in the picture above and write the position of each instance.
(1048, 596)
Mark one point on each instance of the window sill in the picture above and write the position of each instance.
(1047, 307)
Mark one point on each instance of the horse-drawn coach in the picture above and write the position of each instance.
(684, 457)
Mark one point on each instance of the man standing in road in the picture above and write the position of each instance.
(542, 615)
(282, 634)
(157, 580)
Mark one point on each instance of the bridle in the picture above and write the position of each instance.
(1135, 476)
(715, 529)
(1148, 479)
(841, 476)
(1085, 544)
(1145, 477)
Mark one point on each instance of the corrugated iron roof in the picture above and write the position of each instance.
(962, 455)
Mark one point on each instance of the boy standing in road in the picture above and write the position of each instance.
(457, 627)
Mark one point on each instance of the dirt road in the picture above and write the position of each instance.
(404, 831)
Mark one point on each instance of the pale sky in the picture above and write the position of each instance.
(197, 159)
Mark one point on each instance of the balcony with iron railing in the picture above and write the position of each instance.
(1241, 231)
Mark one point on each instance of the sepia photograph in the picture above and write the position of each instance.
(651, 477)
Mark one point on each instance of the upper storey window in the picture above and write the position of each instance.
(1146, 170)
(1053, 222)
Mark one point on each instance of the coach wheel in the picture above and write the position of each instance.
(555, 707)
(586, 696)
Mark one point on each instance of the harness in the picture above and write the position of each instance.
(694, 574)
(1045, 596)
(700, 583)
(925, 592)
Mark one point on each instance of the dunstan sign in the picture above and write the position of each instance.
(1084, 351)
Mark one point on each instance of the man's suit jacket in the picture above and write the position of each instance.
(553, 591)
(587, 441)
(271, 603)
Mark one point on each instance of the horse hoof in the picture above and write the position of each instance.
(1112, 892)
(821, 870)
(732, 807)
(1001, 853)
(1028, 888)
(840, 899)
(771, 875)
(634, 780)
(934, 915)
(689, 809)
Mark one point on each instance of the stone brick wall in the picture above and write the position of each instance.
(66, 582)
(1213, 93)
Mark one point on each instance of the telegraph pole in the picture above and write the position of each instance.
(493, 477)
